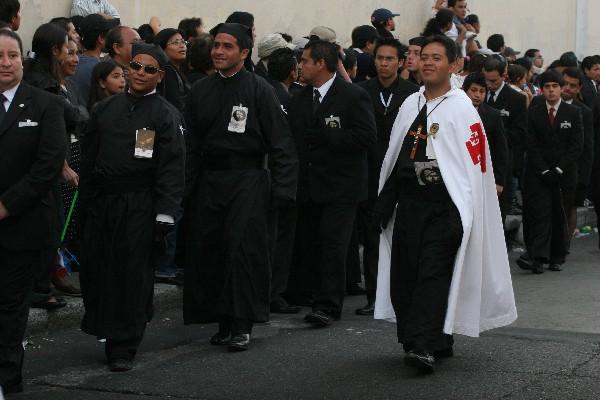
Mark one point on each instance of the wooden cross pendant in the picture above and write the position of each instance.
(418, 136)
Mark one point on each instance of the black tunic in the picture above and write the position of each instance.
(121, 196)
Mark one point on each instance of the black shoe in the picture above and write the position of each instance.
(445, 353)
(220, 339)
(537, 268)
(12, 389)
(421, 360)
(369, 309)
(279, 308)
(318, 319)
(555, 267)
(354, 289)
(524, 262)
(120, 365)
(239, 342)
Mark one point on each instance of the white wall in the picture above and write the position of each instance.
(548, 25)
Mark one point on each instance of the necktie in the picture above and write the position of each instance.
(551, 116)
(2, 109)
(316, 98)
(491, 99)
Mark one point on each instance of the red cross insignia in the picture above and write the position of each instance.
(476, 146)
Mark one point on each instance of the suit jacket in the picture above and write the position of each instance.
(513, 108)
(333, 143)
(494, 129)
(560, 146)
(595, 174)
(32, 152)
(588, 92)
(384, 121)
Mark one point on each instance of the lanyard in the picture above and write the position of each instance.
(386, 104)
(436, 106)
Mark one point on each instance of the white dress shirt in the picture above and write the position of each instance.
(324, 88)
(87, 7)
(10, 95)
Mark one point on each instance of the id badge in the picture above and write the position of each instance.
(144, 143)
(239, 116)
(333, 122)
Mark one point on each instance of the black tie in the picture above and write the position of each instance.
(2, 109)
(316, 98)
(492, 100)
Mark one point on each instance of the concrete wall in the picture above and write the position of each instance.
(549, 25)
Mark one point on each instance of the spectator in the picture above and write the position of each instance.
(87, 7)
(459, 9)
(283, 71)
(174, 86)
(199, 64)
(412, 72)
(591, 69)
(191, 28)
(511, 54)
(531, 77)
(10, 13)
(146, 33)
(537, 59)
(266, 46)
(245, 18)
(118, 43)
(364, 38)
(350, 64)
(473, 21)
(383, 20)
(69, 27)
(517, 78)
(108, 79)
(496, 43)
(440, 24)
(94, 28)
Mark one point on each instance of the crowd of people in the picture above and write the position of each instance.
(162, 154)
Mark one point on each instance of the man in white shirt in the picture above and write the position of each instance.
(87, 7)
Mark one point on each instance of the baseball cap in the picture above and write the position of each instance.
(324, 33)
(271, 42)
(510, 52)
(382, 14)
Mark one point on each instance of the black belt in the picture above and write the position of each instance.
(237, 162)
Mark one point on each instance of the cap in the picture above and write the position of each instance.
(271, 42)
(152, 50)
(382, 15)
(96, 24)
(324, 33)
(300, 43)
(510, 52)
(242, 33)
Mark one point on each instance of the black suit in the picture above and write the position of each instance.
(588, 91)
(32, 152)
(546, 202)
(332, 146)
(494, 129)
(513, 108)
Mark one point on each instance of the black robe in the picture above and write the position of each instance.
(228, 273)
(121, 196)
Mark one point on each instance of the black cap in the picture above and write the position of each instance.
(162, 37)
(152, 50)
(242, 33)
(381, 15)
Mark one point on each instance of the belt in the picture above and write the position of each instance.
(237, 162)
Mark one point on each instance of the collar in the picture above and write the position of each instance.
(548, 106)
(147, 94)
(497, 92)
(325, 87)
(228, 77)
(356, 49)
(568, 101)
(10, 93)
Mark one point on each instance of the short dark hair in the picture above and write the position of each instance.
(199, 53)
(550, 76)
(472, 19)
(588, 62)
(524, 62)
(531, 53)
(494, 64)
(13, 35)
(361, 35)
(555, 64)
(326, 51)
(146, 33)
(417, 41)
(241, 17)
(281, 63)
(446, 42)
(63, 22)
(452, 3)
(574, 73)
(434, 25)
(392, 42)
(475, 78)
(349, 60)
(495, 42)
(476, 62)
(189, 27)
(516, 73)
(9, 9)
(569, 59)
(114, 36)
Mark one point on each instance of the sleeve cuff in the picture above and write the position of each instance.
(165, 218)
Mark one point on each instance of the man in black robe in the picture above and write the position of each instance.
(236, 128)
(132, 181)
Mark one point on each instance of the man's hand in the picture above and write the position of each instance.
(499, 189)
(155, 24)
(69, 176)
(3, 212)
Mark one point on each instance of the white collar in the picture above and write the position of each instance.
(568, 101)
(10, 93)
(325, 87)
(147, 94)
(227, 77)
(548, 106)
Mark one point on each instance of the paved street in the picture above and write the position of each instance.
(552, 352)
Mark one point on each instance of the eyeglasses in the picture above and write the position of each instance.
(178, 42)
(149, 69)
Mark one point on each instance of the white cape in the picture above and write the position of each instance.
(481, 294)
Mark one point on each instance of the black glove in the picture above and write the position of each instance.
(161, 230)
(550, 177)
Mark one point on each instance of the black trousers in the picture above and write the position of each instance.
(325, 231)
(17, 279)
(122, 349)
(283, 233)
(370, 241)
(426, 238)
(506, 197)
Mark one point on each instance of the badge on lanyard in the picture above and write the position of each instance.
(144, 143)
(239, 116)
(333, 122)
(429, 151)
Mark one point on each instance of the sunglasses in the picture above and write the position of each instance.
(149, 69)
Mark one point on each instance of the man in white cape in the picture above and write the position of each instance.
(471, 291)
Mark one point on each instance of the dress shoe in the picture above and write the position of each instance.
(279, 308)
(50, 305)
(555, 267)
(537, 268)
(421, 360)
(239, 342)
(120, 365)
(369, 309)
(444, 353)
(64, 285)
(354, 289)
(318, 319)
(524, 262)
(12, 389)
(220, 339)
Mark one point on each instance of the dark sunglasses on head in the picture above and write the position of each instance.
(149, 69)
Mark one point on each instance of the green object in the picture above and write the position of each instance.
(586, 229)
(69, 215)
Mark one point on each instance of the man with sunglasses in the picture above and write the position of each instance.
(235, 123)
(132, 181)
